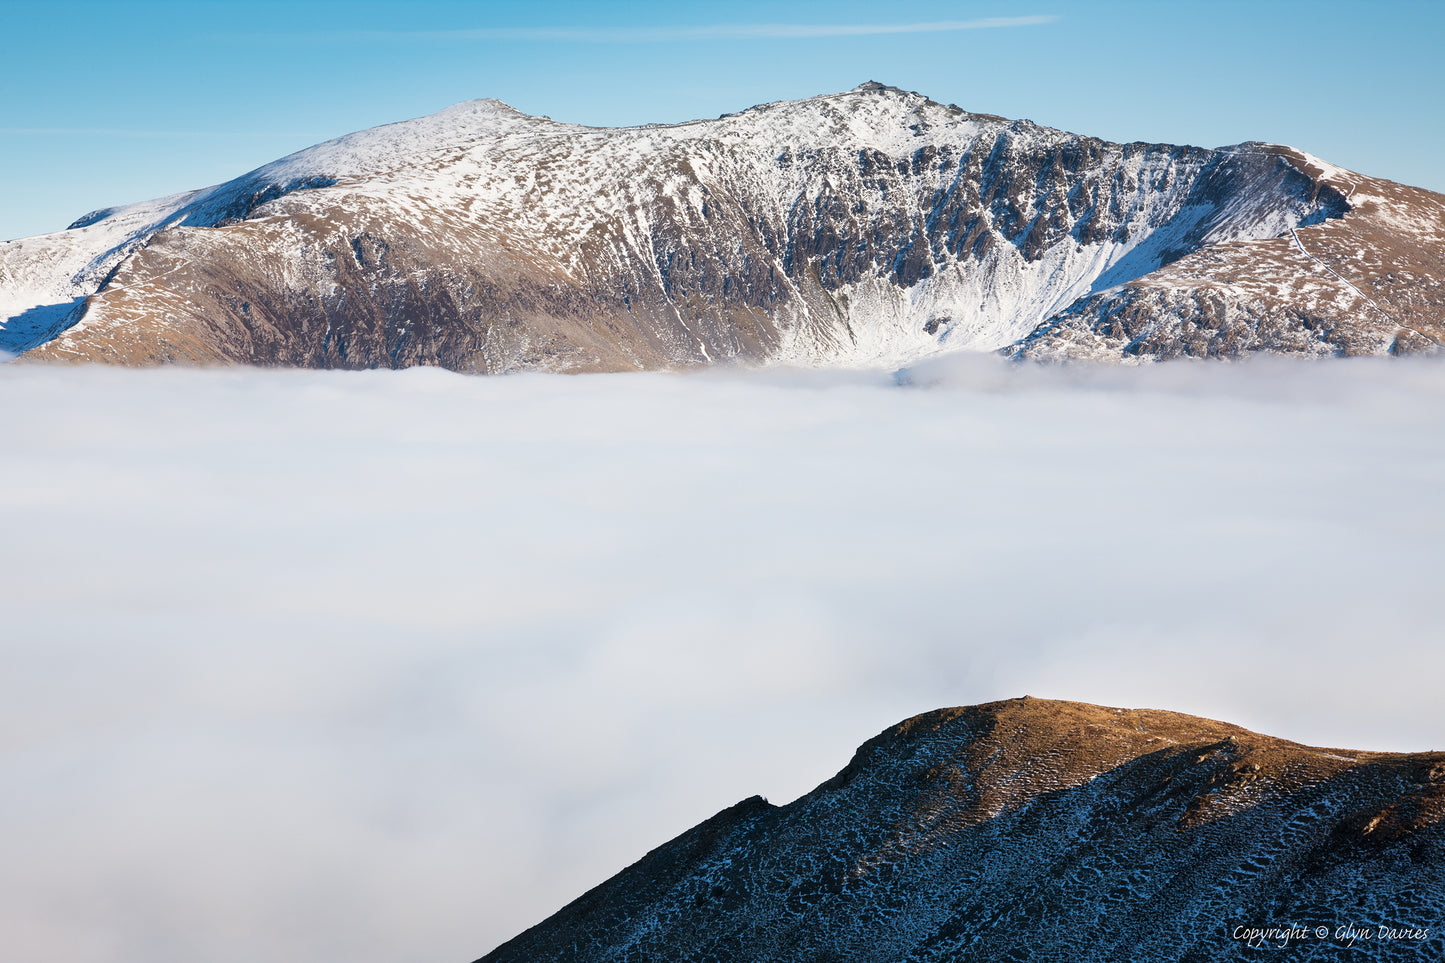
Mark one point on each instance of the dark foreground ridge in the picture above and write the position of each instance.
(1040, 830)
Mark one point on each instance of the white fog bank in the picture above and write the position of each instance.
(389, 666)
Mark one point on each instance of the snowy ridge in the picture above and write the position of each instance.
(1368, 281)
(44, 279)
(868, 227)
(51, 273)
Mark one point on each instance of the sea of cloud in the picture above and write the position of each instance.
(390, 665)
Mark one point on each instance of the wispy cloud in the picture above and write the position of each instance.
(126, 132)
(680, 34)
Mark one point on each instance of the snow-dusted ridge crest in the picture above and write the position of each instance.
(869, 227)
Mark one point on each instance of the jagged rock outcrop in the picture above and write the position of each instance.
(869, 227)
(1366, 282)
(1041, 830)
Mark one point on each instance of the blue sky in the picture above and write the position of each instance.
(111, 102)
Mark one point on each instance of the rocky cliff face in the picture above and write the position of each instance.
(1366, 282)
(1031, 829)
(869, 227)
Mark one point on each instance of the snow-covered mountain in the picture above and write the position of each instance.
(1038, 830)
(869, 227)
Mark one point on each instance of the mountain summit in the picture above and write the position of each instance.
(868, 227)
(1039, 830)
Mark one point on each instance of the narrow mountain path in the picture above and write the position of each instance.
(1348, 283)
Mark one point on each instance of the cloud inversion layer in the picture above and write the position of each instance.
(387, 666)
